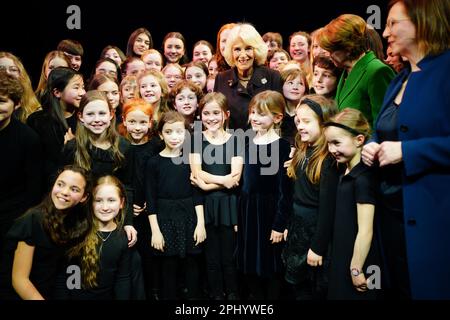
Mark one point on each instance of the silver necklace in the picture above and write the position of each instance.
(105, 238)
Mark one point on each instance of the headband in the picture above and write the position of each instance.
(314, 106)
(342, 126)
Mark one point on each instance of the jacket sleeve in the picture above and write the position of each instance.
(378, 84)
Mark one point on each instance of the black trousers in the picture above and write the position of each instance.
(169, 276)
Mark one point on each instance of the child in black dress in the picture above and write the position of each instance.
(136, 128)
(216, 165)
(354, 242)
(104, 256)
(37, 241)
(175, 208)
(57, 121)
(315, 171)
(264, 204)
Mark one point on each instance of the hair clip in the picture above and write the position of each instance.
(230, 83)
(263, 80)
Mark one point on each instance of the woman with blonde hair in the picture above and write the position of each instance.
(29, 103)
(246, 53)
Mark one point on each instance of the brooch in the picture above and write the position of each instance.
(263, 80)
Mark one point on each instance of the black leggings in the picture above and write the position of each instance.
(221, 269)
(169, 269)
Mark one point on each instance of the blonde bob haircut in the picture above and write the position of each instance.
(248, 34)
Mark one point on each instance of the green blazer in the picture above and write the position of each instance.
(364, 87)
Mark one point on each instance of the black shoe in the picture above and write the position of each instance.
(218, 297)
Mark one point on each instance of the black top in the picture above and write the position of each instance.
(288, 129)
(169, 179)
(390, 176)
(238, 97)
(21, 174)
(113, 279)
(47, 257)
(173, 199)
(358, 186)
(52, 134)
(220, 206)
(321, 197)
(143, 152)
(102, 163)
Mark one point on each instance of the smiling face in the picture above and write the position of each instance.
(307, 123)
(141, 44)
(293, 89)
(278, 60)
(298, 48)
(261, 122)
(137, 124)
(173, 75)
(213, 117)
(111, 89)
(341, 144)
(152, 61)
(202, 53)
(400, 32)
(73, 92)
(196, 75)
(324, 81)
(243, 56)
(173, 135)
(107, 203)
(173, 49)
(186, 102)
(68, 190)
(96, 116)
(150, 89)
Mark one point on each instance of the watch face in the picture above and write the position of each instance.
(355, 272)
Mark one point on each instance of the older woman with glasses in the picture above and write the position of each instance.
(411, 147)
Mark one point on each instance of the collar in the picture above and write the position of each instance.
(258, 79)
(357, 170)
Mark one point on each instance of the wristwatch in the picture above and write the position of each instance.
(355, 272)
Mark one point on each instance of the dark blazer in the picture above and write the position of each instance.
(424, 130)
(238, 97)
(364, 87)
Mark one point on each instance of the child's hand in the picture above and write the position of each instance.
(313, 259)
(276, 237)
(158, 241)
(359, 282)
(231, 180)
(138, 210)
(199, 234)
(68, 136)
(131, 235)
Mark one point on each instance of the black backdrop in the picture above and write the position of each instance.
(30, 30)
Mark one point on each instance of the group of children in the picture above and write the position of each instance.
(288, 202)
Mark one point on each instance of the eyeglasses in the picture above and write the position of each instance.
(392, 22)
